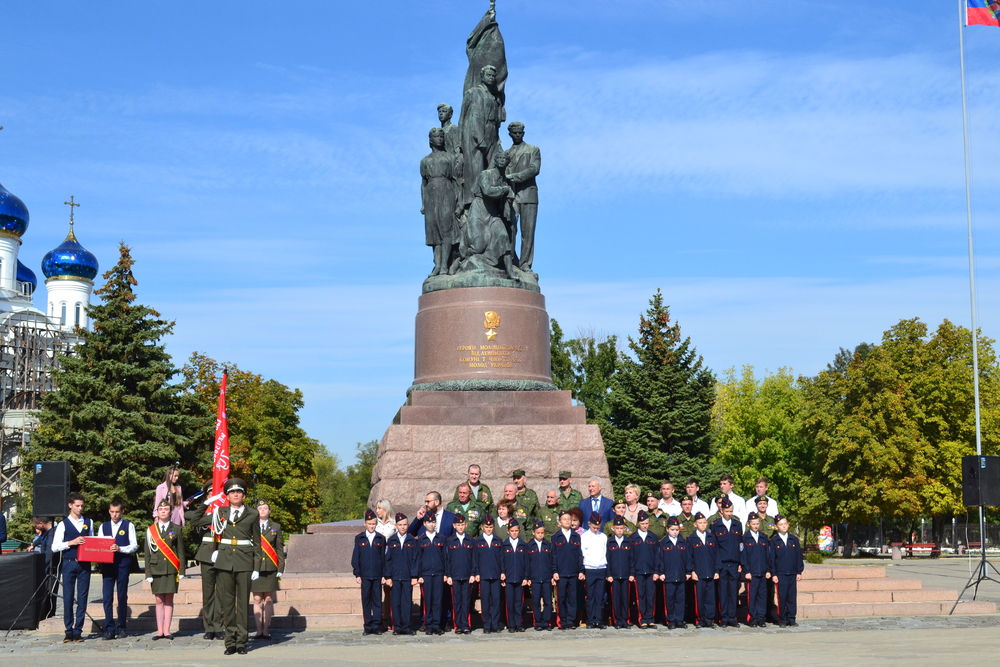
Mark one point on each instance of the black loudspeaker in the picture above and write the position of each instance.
(50, 489)
(21, 576)
(981, 473)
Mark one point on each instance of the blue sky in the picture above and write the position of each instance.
(789, 173)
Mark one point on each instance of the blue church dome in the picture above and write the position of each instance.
(70, 260)
(26, 275)
(13, 214)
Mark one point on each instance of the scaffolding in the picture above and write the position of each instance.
(30, 347)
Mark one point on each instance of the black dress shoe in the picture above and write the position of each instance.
(242, 650)
(793, 624)
(511, 630)
(155, 637)
(363, 634)
(519, 629)
(681, 626)
(170, 637)
(602, 626)
(121, 634)
(782, 625)
(109, 634)
(208, 635)
(230, 650)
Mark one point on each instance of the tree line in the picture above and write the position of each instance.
(877, 435)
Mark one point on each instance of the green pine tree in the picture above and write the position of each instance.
(115, 415)
(659, 408)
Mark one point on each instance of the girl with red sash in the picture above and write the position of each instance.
(272, 565)
(164, 566)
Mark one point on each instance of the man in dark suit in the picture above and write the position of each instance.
(597, 502)
(444, 520)
(236, 562)
(367, 563)
(525, 163)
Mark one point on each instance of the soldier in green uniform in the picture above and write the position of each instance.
(768, 524)
(568, 496)
(549, 515)
(686, 517)
(523, 510)
(718, 510)
(470, 508)
(525, 496)
(619, 510)
(480, 492)
(200, 519)
(657, 517)
(237, 562)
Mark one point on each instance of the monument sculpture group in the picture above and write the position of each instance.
(482, 391)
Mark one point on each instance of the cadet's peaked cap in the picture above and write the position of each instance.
(561, 512)
(235, 484)
(725, 502)
(538, 524)
(618, 521)
(459, 518)
(400, 517)
(565, 474)
(699, 515)
(779, 517)
(595, 518)
(642, 515)
(369, 515)
(517, 473)
(430, 518)
(513, 524)
(672, 521)
(752, 516)
(488, 520)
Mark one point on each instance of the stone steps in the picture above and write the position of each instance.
(333, 601)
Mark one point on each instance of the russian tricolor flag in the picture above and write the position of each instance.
(982, 12)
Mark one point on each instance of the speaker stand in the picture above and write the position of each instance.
(982, 572)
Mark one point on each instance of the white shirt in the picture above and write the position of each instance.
(59, 542)
(595, 549)
(489, 539)
(595, 504)
(642, 534)
(673, 508)
(538, 543)
(702, 536)
(673, 539)
(370, 536)
(619, 540)
(784, 538)
(739, 507)
(402, 537)
(461, 537)
(386, 528)
(728, 523)
(235, 513)
(133, 545)
(566, 533)
(513, 543)
(699, 505)
(429, 535)
(755, 536)
(772, 506)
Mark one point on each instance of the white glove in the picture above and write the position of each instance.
(149, 580)
(279, 575)
(254, 576)
(180, 577)
(215, 554)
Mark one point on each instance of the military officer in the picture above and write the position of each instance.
(480, 491)
(549, 514)
(568, 496)
(470, 508)
(200, 519)
(487, 567)
(368, 566)
(525, 496)
(236, 562)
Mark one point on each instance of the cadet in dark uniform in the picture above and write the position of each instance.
(728, 533)
(619, 558)
(236, 562)
(756, 571)
(644, 555)
(272, 565)
(164, 566)
(514, 576)
(458, 573)
(705, 562)
(567, 556)
(786, 571)
(541, 567)
(368, 565)
(200, 519)
(432, 558)
(487, 567)
(402, 567)
(674, 569)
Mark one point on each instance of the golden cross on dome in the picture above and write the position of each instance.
(71, 205)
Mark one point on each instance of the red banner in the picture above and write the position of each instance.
(220, 466)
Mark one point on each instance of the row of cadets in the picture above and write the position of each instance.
(728, 531)
(594, 548)
(567, 554)
(619, 558)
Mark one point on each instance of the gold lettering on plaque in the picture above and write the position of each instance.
(491, 324)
